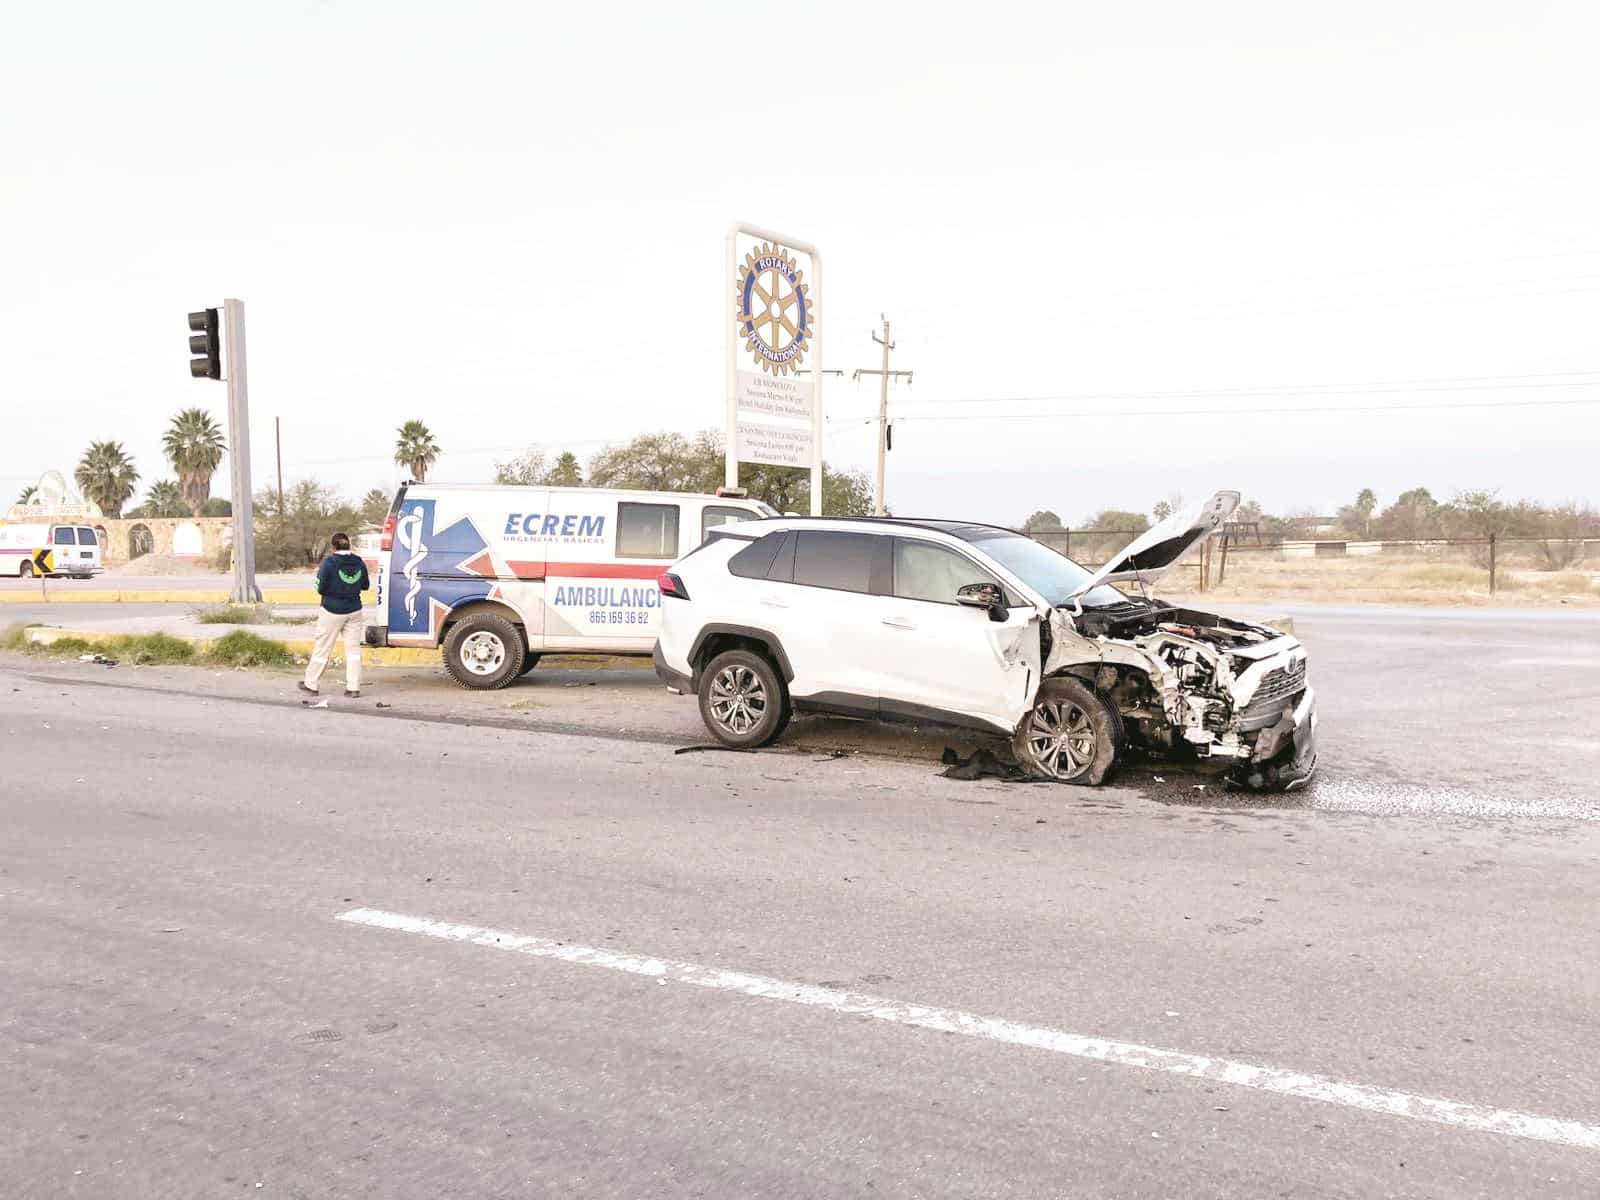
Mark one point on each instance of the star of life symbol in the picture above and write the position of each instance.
(773, 309)
(409, 531)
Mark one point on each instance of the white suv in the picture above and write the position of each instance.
(946, 622)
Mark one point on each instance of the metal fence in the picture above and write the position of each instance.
(1492, 554)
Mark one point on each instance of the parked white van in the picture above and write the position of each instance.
(500, 574)
(70, 550)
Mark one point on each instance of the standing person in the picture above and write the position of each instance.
(341, 579)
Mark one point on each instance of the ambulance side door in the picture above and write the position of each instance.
(520, 545)
(602, 560)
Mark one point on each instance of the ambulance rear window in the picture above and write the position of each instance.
(65, 536)
(647, 530)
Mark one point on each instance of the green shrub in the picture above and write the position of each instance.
(232, 614)
(244, 649)
(74, 646)
(150, 649)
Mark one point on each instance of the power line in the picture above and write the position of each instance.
(1446, 383)
(1244, 412)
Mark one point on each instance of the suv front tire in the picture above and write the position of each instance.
(743, 701)
(1072, 735)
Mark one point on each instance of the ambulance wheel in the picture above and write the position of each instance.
(25, 571)
(530, 660)
(742, 699)
(484, 651)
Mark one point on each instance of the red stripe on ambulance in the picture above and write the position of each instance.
(572, 570)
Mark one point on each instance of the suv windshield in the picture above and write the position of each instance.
(1054, 576)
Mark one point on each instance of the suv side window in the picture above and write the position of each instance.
(64, 535)
(841, 561)
(647, 530)
(755, 560)
(721, 514)
(924, 571)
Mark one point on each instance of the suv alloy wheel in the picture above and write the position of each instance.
(742, 699)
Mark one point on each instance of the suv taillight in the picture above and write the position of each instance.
(387, 542)
(671, 585)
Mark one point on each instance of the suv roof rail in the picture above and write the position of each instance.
(937, 524)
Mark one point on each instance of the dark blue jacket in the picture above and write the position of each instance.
(341, 579)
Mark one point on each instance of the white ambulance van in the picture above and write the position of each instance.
(498, 575)
(49, 549)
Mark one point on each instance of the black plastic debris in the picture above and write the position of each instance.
(712, 746)
(980, 764)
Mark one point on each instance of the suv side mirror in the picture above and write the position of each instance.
(983, 595)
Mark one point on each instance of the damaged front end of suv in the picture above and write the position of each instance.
(1181, 682)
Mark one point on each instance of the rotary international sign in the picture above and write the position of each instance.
(774, 416)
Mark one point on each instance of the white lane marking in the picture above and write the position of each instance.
(996, 1029)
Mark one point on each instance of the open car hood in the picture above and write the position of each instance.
(1156, 551)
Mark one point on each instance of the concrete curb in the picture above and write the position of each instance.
(164, 596)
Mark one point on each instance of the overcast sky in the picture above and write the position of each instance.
(1149, 222)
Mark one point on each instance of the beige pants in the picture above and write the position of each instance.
(329, 627)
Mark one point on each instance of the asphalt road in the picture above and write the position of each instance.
(187, 1015)
(1447, 712)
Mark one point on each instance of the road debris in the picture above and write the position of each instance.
(309, 704)
(980, 764)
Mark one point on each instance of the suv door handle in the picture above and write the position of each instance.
(774, 602)
(899, 623)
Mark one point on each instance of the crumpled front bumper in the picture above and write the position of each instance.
(1285, 754)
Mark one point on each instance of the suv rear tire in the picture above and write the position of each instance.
(1071, 736)
(742, 699)
(484, 651)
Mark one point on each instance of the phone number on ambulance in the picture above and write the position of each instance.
(618, 616)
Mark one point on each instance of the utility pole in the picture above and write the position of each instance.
(883, 404)
(245, 590)
(214, 336)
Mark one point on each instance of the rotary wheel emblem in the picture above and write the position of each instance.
(773, 309)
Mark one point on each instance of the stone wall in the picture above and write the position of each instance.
(199, 539)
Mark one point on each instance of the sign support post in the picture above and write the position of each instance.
(804, 339)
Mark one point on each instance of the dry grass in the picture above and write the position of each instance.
(1391, 579)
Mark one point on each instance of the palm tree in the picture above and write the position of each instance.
(1366, 505)
(566, 472)
(375, 506)
(107, 475)
(28, 494)
(194, 446)
(416, 450)
(166, 499)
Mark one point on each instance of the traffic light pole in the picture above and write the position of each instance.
(245, 590)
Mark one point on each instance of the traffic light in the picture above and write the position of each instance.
(206, 344)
